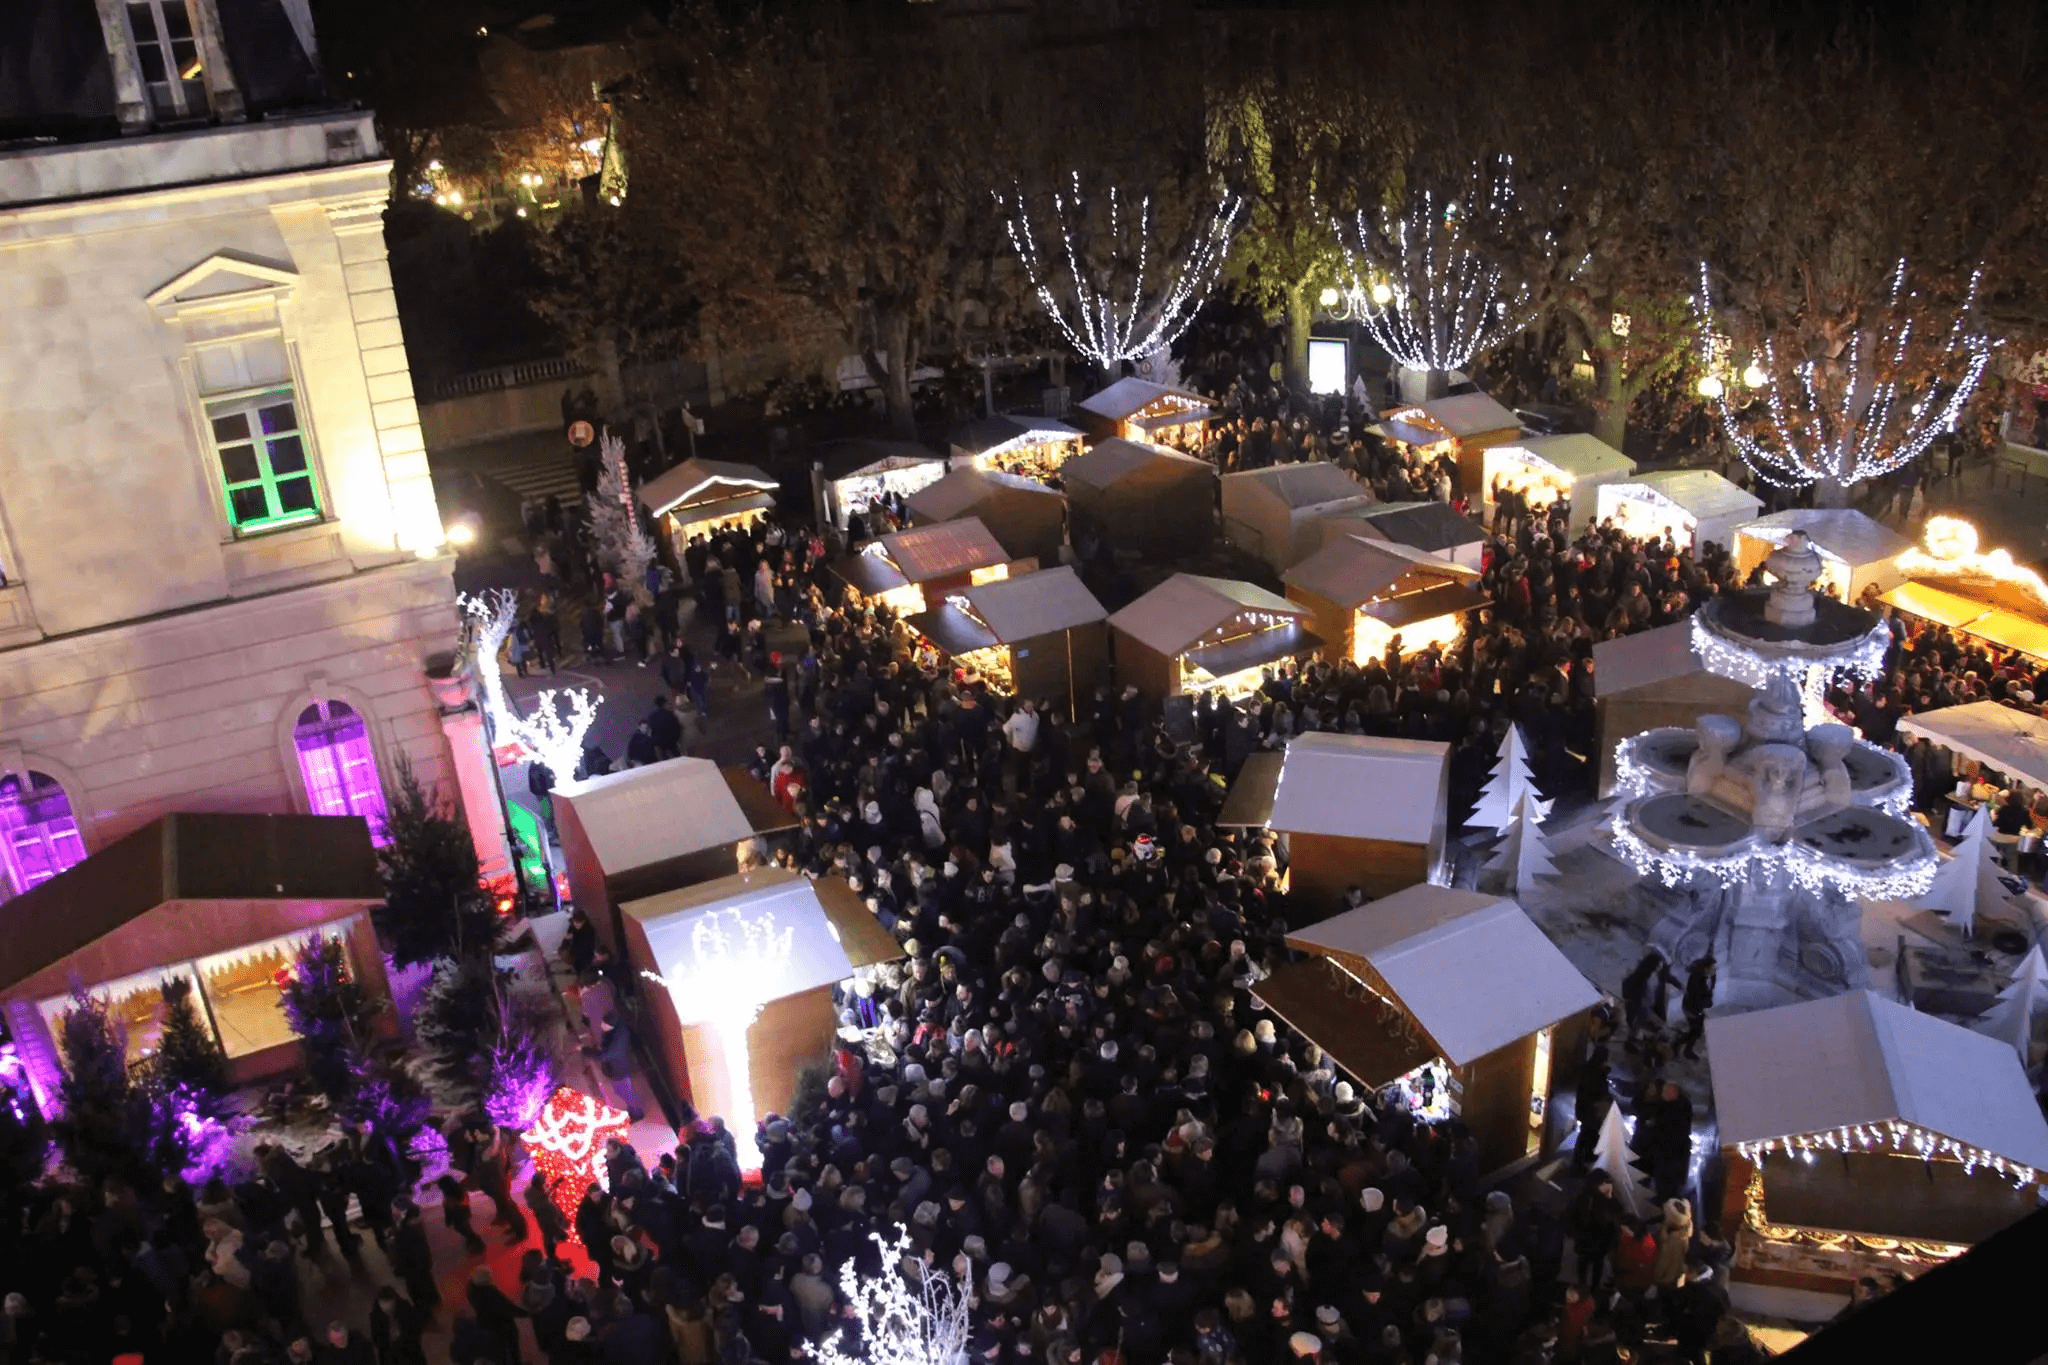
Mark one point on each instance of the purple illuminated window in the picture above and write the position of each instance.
(339, 765)
(38, 836)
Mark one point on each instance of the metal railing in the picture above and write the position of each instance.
(553, 370)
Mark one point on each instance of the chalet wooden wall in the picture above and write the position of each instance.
(1325, 866)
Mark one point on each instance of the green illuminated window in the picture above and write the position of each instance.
(266, 471)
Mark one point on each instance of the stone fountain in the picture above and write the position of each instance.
(1774, 826)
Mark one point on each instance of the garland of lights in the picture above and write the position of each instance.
(1440, 300)
(1876, 423)
(1634, 780)
(1890, 1136)
(1105, 330)
(495, 611)
(900, 1323)
(1864, 658)
(567, 1145)
(1808, 869)
(556, 740)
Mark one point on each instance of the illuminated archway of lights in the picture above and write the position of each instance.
(736, 965)
(1867, 418)
(1102, 319)
(1436, 298)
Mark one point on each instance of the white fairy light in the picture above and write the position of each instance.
(899, 1322)
(495, 611)
(1864, 658)
(556, 740)
(1110, 325)
(1440, 300)
(1634, 779)
(1804, 866)
(1873, 420)
(735, 968)
(618, 540)
(1888, 1137)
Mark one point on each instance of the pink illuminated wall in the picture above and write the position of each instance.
(38, 835)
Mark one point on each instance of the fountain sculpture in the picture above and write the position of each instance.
(1774, 827)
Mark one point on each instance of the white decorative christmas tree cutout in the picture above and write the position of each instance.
(1524, 855)
(617, 538)
(2011, 1020)
(1504, 790)
(1968, 883)
(1614, 1156)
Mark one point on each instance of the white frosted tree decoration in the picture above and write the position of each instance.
(555, 739)
(2011, 1020)
(1524, 855)
(1511, 781)
(736, 966)
(2033, 967)
(1968, 882)
(1613, 1155)
(495, 611)
(620, 542)
(1870, 404)
(1117, 299)
(899, 1321)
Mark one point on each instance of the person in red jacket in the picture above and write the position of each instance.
(1635, 1252)
(1572, 1320)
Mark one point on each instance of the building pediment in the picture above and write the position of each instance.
(223, 276)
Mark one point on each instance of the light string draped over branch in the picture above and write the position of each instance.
(899, 1322)
(1895, 390)
(1426, 281)
(1108, 319)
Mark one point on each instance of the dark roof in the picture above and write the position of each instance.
(279, 859)
(1424, 525)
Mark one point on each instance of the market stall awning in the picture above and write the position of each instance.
(870, 575)
(1188, 606)
(951, 630)
(1858, 1059)
(1410, 433)
(2010, 630)
(1320, 1001)
(861, 936)
(2013, 741)
(1172, 419)
(1253, 651)
(1132, 395)
(817, 954)
(1929, 603)
(1473, 969)
(1576, 453)
(695, 481)
(856, 458)
(1443, 600)
(924, 553)
(260, 868)
(1250, 802)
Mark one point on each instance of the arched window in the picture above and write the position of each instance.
(339, 764)
(38, 834)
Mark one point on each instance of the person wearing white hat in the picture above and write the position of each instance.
(1305, 1345)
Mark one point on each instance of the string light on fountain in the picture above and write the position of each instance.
(737, 964)
(1793, 862)
(896, 1321)
(1111, 323)
(1859, 418)
(1437, 298)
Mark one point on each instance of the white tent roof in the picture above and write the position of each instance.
(1131, 395)
(923, 553)
(1473, 969)
(1102, 464)
(1576, 453)
(1360, 787)
(1858, 1058)
(1035, 604)
(1843, 532)
(1296, 486)
(1187, 606)
(963, 489)
(1701, 492)
(1646, 657)
(665, 810)
(686, 480)
(2010, 740)
(1350, 569)
(1469, 414)
(670, 922)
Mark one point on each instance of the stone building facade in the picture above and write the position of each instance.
(225, 578)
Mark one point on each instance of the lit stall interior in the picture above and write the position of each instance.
(1378, 623)
(1641, 511)
(1517, 470)
(1029, 447)
(1231, 660)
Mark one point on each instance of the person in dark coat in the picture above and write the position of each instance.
(496, 1315)
(554, 1229)
(397, 1329)
(1595, 1098)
